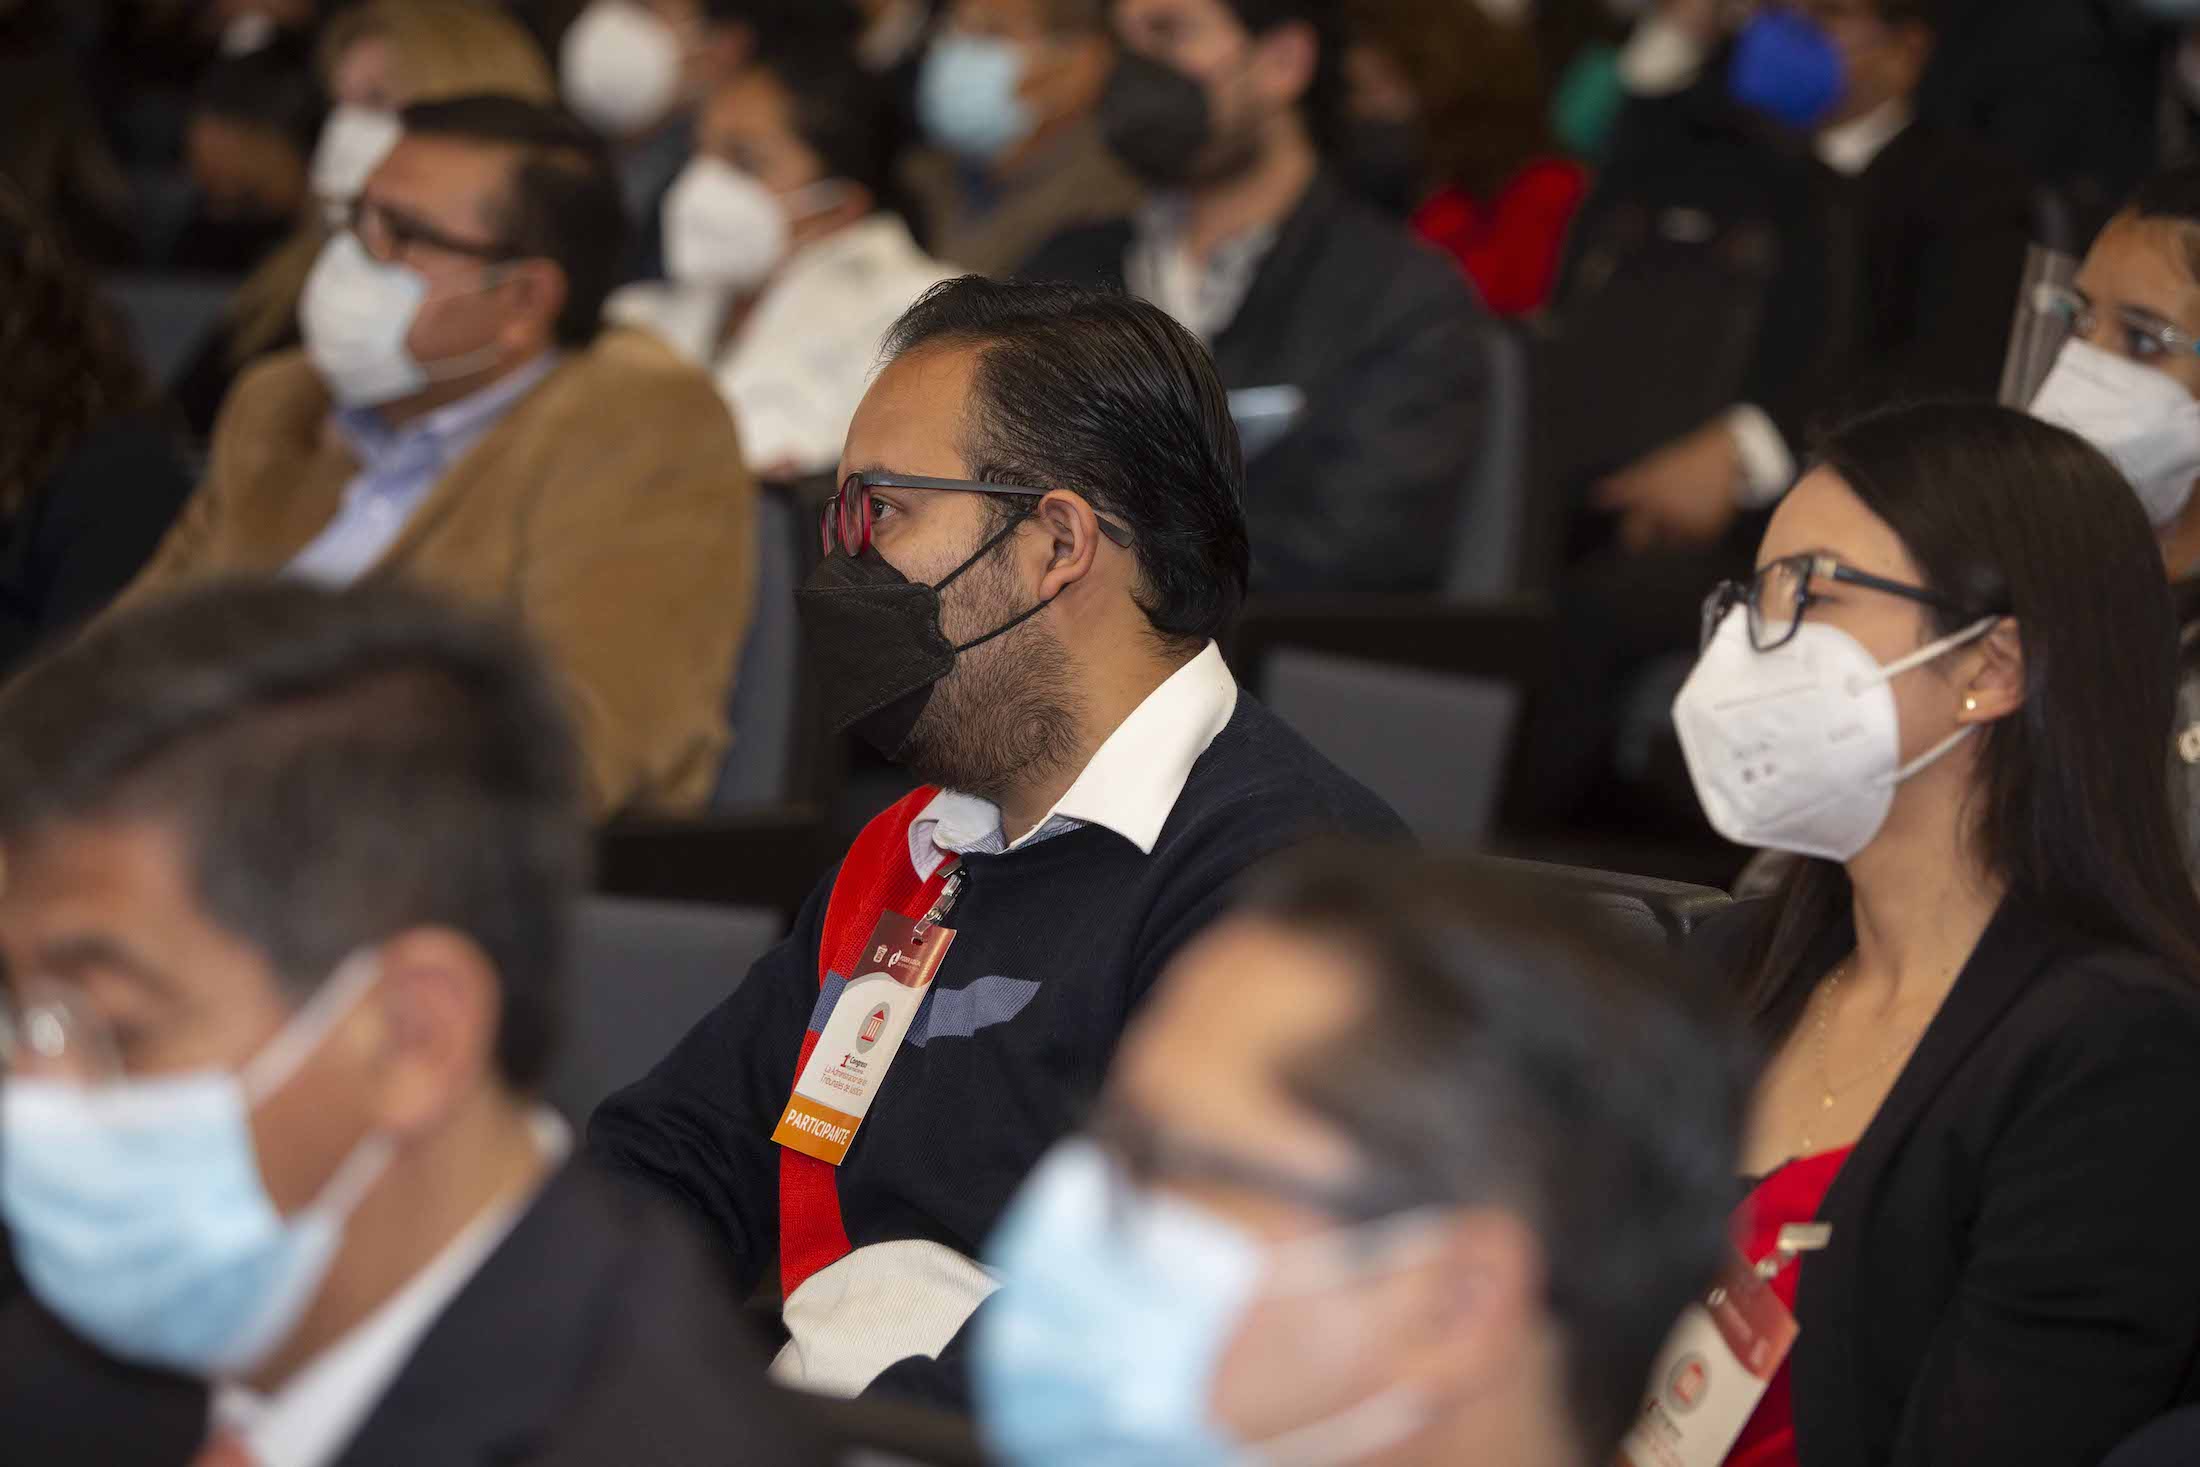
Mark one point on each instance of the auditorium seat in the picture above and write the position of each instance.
(864, 1433)
(1646, 908)
(1419, 698)
(1492, 540)
(2173, 1441)
(168, 315)
(767, 686)
(643, 973)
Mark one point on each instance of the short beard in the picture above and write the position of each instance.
(1004, 716)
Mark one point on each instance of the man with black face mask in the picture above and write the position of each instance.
(1352, 351)
(1037, 537)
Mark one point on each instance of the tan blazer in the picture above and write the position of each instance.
(608, 511)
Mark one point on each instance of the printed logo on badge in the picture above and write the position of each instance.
(1684, 1388)
(845, 1062)
(867, 1037)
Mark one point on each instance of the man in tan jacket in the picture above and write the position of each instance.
(457, 420)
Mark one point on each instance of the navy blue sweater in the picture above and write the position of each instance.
(962, 1118)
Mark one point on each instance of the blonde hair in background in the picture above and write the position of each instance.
(438, 49)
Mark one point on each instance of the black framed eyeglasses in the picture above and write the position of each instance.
(386, 233)
(846, 522)
(1145, 1154)
(1776, 597)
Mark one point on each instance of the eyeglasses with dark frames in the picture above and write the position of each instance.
(1776, 597)
(387, 233)
(846, 523)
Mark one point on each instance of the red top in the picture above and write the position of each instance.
(1793, 1194)
(1510, 245)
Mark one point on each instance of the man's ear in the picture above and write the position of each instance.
(1285, 62)
(1073, 541)
(1996, 687)
(538, 291)
(1474, 1307)
(442, 1006)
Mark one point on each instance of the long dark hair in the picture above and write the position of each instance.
(66, 362)
(2004, 514)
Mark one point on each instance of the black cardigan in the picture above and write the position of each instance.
(2012, 1278)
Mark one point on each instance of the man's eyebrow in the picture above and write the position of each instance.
(77, 953)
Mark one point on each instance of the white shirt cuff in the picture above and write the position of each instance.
(1661, 58)
(1768, 467)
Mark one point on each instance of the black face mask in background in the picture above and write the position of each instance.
(1386, 163)
(1156, 120)
(873, 643)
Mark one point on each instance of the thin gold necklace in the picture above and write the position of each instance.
(1830, 1093)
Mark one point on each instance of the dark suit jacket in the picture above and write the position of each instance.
(2011, 1277)
(600, 1332)
(1943, 227)
(1382, 335)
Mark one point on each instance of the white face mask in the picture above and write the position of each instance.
(724, 229)
(140, 1216)
(2142, 419)
(354, 141)
(1799, 749)
(619, 68)
(355, 314)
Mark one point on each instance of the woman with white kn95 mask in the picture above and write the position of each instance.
(2128, 381)
(787, 263)
(1948, 687)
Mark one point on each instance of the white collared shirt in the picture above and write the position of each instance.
(1130, 786)
(798, 368)
(398, 469)
(315, 1414)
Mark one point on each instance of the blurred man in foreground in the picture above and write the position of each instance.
(288, 880)
(1400, 1166)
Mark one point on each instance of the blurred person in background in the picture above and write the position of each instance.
(1446, 126)
(788, 260)
(458, 417)
(1401, 1165)
(1939, 234)
(248, 145)
(291, 878)
(1038, 535)
(2129, 383)
(53, 151)
(1948, 688)
(1360, 345)
(638, 71)
(91, 473)
(1007, 102)
(374, 60)
(1895, 283)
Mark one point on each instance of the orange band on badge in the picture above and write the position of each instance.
(816, 1130)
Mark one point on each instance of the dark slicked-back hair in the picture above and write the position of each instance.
(1103, 394)
(562, 202)
(340, 766)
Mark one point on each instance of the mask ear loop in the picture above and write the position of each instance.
(981, 553)
(1919, 658)
(275, 1065)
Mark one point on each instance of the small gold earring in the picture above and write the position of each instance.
(1970, 705)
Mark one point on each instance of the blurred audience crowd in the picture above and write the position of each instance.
(614, 322)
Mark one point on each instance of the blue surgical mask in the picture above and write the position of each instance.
(138, 1211)
(1116, 1309)
(966, 96)
(1788, 68)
